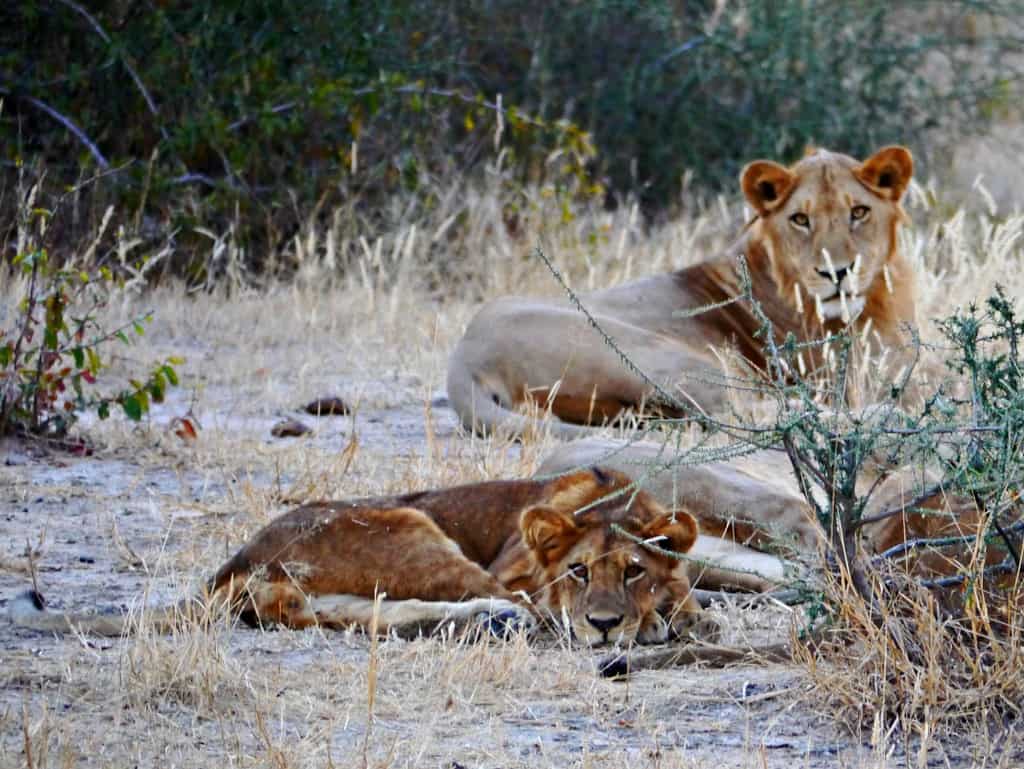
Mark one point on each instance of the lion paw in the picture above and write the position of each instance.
(505, 620)
(697, 626)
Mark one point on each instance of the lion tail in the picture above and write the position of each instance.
(29, 610)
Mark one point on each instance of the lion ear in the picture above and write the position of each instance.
(677, 531)
(766, 185)
(887, 172)
(547, 532)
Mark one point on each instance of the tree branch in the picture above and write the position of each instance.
(1006, 566)
(922, 497)
(619, 665)
(67, 123)
(914, 544)
(123, 58)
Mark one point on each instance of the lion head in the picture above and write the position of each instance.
(604, 584)
(829, 226)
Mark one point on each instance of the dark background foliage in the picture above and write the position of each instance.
(212, 113)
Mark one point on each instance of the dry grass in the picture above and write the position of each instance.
(922, 670)
(154, 515)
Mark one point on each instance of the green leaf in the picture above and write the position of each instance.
(103, 411)
(94, 360)
(50, 338)
(171, 374)
(132, 408)
(79, 357)
(7, 351)
(138, 328)
(123, 337)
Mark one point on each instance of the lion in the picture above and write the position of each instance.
(568, 549)
(750, 510)
(822, 254)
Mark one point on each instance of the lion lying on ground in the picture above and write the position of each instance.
(752, 504)
(454, 554)
(821, 251)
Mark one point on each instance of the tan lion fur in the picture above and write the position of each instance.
(814, 224)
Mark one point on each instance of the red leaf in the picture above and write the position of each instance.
(184, 428)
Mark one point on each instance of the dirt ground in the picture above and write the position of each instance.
(115, 529)
(147, 516)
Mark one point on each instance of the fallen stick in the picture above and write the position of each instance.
(620, 665)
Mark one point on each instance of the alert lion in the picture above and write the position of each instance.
(821, 251)
(560, 547)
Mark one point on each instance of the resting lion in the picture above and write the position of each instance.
(821, 251)
(454, 554)
(755, 500)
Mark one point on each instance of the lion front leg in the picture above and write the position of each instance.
(413, 617)
(683, 618)
(285, 604)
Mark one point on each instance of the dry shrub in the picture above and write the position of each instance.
(182, 659)
(931, 662)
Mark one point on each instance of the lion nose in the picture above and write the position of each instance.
(839, 272)
(604, 624)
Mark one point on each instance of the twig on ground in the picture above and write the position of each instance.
(620, 665)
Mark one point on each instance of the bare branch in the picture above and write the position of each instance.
(937, 542)
(194, 177)
(275, 110)
(1006, 566)
(123, 57)
(924, 496)
(620, 665)
(67, 123)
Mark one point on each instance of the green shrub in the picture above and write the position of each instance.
(51, 343)
(253, 114)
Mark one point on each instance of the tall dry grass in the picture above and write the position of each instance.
(376, 329)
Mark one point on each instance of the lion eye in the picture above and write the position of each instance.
(857, 213)
(800, 220)
(633, 572)
(578, 572)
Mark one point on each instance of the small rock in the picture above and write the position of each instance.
(289, 428)
(330, 406)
